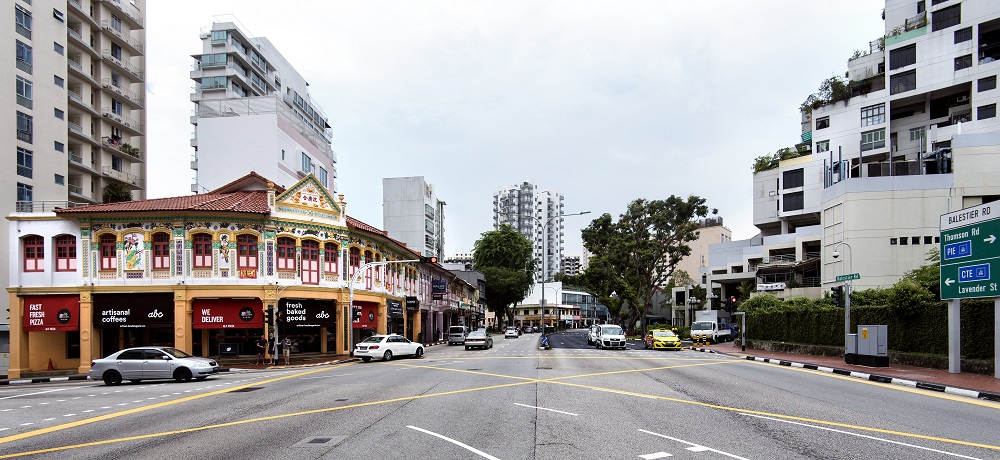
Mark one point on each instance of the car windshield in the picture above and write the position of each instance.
(477, 334)
(701, 325)
(611, 330)
(663, 334)
(176, 353)
(374, 339)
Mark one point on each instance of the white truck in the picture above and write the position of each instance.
(707, 322)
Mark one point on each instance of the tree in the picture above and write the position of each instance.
(504, 256)
(640, 251)
(929, 275)
(116, 193)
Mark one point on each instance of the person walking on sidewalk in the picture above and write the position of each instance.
(261, 349)
(286, 346)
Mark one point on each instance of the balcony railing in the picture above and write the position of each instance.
(75, 97)
(123, 147)
(126, 66)
(73, 33)
(74, 65)
(128, 122)
(24, 136)
(23, 66)
(123, 92)
(43, 206)
(24, 101)
(129, 10)
(75, 157)
(128, 39)
(24, 31)
(75, 188)
(123, 176)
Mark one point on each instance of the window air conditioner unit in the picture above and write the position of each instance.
(964, 98)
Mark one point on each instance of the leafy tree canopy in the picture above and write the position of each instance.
(116, 193)
(505, 258)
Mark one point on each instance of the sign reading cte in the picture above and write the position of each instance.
(968, 251)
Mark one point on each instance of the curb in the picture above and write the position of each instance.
(705, 350)
(885, 379)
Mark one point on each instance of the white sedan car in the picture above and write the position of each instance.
(387, 346)
(510, 332)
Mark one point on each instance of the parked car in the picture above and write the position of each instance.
(592, 335)
(610, 336)
(527, 329)
(456, 335)
(663, 339)
(535, 329)
(510, 332)
(151, 363)
(387, 346)
(480, 339)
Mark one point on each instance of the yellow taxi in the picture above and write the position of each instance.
(663, 339)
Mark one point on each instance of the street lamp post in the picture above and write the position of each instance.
(545, 237)
(847, 291)
(350, 287)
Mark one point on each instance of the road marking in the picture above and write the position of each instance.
(655, 456)
(695, 447)
(39, 393)
(457, 443)
(864, 436)
(542, 408)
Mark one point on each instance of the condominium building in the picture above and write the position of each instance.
(571, 265)
(253, 111)
(413, 214)
(536, 214)
(914, 136)
(78, 107)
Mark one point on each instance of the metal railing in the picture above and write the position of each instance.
(43, 206)
(123, 92)
(126, 66)
(125, 148)
(75, 65)
(130, 10)
(128, 39)
(23, 66)
(24, 101)
(126, 121)
(24, 31)
(123, 176)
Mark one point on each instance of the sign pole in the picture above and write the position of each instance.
(954, 337)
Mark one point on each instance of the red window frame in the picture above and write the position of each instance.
(109, 251)
(285, 256)
(161, 251)
(368, 272)
(33, 253)
(331, 253)
(65, 253)
(246, 251)
(355, 259)
(202, 250)
(310, 262)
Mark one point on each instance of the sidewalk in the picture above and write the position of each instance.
(974, 385)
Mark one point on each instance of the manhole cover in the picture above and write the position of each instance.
(246, 390)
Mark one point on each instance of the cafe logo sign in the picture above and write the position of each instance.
(155, 314)
(247, 314)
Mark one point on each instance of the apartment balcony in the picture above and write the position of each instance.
(24, 31)
(132, 14)
(42, 206)
(24, 102)
(126, 122)
(124, 65)
(80, 42)
(76, 130)
(76, 162)
(78, 10)
(124, 148)
(130, 42)
(23, 66)
(131, 96)
(77, 101)
(77, 70)
(130, 180)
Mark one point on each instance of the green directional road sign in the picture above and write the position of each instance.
(970, 252)
(852, 276)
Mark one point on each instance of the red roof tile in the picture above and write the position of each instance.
(254, 202)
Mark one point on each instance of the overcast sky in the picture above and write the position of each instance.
(602, 101)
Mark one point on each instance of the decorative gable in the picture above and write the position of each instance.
(308, 198)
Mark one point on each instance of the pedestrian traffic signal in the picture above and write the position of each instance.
(269, 315)
(279, 316)
(428, 260)
(837, 293)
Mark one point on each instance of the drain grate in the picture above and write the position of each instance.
(473, 369)
(246, 390)
(340, 400)
(320, 441)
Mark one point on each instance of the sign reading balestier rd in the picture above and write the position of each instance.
(968, 252)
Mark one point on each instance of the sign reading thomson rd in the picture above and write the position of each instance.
(970, 254)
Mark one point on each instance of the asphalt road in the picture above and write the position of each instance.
(513, 401)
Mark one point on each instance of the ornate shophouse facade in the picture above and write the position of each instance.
(197, 273)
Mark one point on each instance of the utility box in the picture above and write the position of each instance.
(851, 349)
(873, 345)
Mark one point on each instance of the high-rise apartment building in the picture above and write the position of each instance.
(413, 214)
(253, 111)
(536, 214)
(78, 107)
(571, 265)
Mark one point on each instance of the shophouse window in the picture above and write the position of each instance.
(202, 250)
(310, 262)
(161, 251)
(903, 82)
(286, 253)
(330, 256)
(65, 253)
(871, 140)
(902, 57)
(873, 115)
(109, 254)
(986, 111)
(946, 17)
(34, 253)
(355, 257)
(246, 249)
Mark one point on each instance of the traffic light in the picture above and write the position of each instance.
(428, 260)
(269, 315)
(279, 316)
(732, 302)
(837, 293)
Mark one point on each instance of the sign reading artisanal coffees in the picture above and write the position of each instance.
(307, 313)
(133, 310)
(412, 304)
(395, 308)
(51, 313)
(227, 313)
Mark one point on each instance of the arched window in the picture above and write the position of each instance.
(202, 250)
(331, 253)
(161, 251)
(109, 253)
(246, 251)
(286, 253)
(34, 253)
(65, 253)
(310, 262)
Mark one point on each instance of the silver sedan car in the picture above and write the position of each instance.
(151, 363)
(479, 339)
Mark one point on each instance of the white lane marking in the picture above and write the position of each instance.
(457, 443)
(39, 392)
(68, 415)
(698, 446)
(655, 456)
(864, 436)
(542, 408)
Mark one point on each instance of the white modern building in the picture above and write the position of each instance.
(571, 265)
(536, 214)
(413, 214)
(78, 106)
(253, 111)
(917, 138)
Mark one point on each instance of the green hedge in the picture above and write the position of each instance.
(916, 330)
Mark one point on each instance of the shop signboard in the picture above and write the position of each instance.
(365, 315)
(227, 313)
(394, 307)
(133, 310)
(51, 313)
(307, 312)
(412, 304)
(439, 288)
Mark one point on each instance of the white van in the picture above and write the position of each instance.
(456, 335)
(610, 336)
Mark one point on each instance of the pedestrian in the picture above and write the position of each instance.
(287, 348)
(437, 334)
(261, 349)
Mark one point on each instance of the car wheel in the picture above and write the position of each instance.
(420, 353)
(387, 356)
(366, 359)
(182, 375)
(112, 378)
(467, 347)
